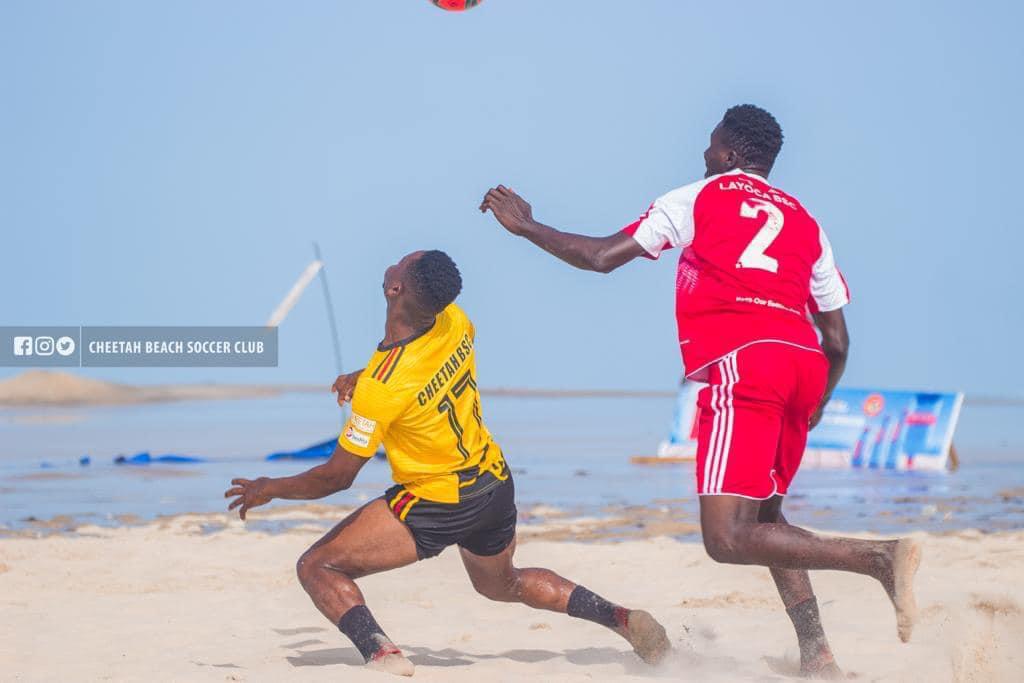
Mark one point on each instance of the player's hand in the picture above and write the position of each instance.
(345, 386)
(250, 493)
(511, 210)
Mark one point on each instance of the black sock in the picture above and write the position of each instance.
(586, 605)
(809, 631)
(363, 630)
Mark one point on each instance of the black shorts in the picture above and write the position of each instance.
(483, 522)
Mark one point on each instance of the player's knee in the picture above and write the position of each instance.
(488, 590)
(501, 589)
(305, 567)
(310, 566)
(723, 545)
(313, 566)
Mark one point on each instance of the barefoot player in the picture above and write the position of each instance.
(419, 398)
(753, 260)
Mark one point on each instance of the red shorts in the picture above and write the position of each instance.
(754, 417)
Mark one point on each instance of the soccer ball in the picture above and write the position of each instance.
(456, 5)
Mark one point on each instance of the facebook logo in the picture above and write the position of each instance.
(23, 346)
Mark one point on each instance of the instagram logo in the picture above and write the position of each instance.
(23, 346)
(44, 346)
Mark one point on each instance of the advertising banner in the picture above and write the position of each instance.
(861, 428)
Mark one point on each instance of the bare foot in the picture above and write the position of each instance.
(901, 560)
(905, 561)
(391, 660)
(646, 635)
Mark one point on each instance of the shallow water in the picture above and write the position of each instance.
(568, 453)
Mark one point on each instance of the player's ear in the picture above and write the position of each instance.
(393, 288)
(732, 159)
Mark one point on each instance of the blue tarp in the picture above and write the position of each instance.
(146, 458)
(319, 451)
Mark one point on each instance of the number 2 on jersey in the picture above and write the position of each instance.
(753, 256)
(447, 405)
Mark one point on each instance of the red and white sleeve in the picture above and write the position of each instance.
(828, 287)
(668, 222)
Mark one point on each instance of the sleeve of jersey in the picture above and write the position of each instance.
(667, 223)
(828, 287)
(374, 408)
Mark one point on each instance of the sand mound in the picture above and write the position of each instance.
(43, 387)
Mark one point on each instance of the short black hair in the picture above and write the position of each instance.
(753, 133)
(435, 280)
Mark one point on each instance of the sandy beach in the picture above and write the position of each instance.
(171, 601)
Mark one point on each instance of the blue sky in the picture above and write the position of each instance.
(170, 163)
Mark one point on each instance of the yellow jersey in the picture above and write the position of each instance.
(419, 397)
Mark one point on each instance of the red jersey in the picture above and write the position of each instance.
(753, 263)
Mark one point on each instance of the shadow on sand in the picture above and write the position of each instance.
(424, 656)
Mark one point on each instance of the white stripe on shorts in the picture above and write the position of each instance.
(709, 457)
(734, 377)
(721, 427)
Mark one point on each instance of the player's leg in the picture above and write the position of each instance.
(742, 417)
(794, 586)
(497, 578)
(733, 535)
(368, 541)
(487, 554)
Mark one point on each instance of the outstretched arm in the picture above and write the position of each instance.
(600, 254)
(337, 474)
(835, 342)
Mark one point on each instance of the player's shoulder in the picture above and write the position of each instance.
(684, 195)
(456, 320)
(755, 186)
(453, 313)
(371, 385)
(401, 367)
(384, 387)
(385, 368)
(780, 196)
